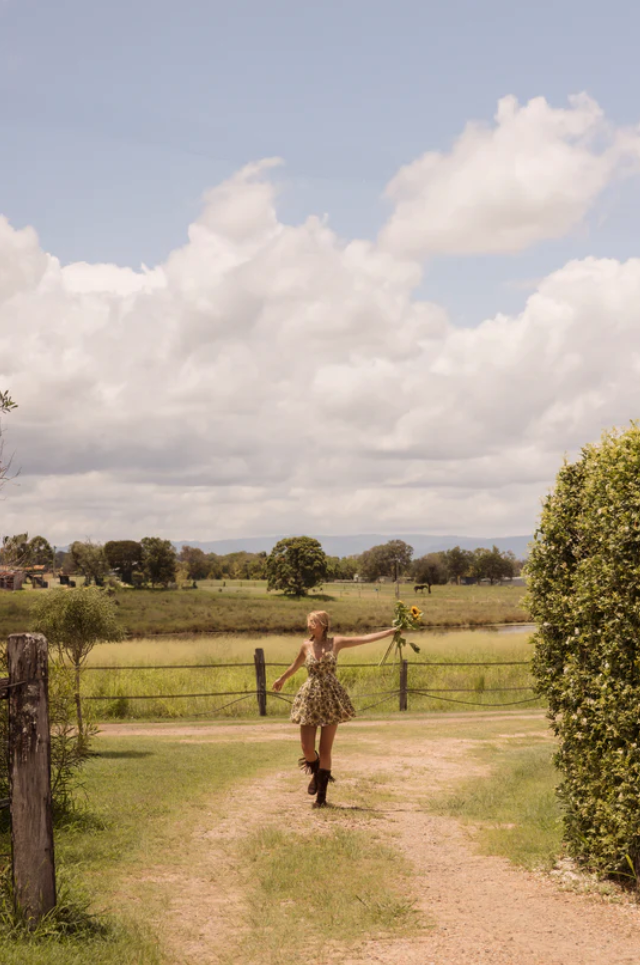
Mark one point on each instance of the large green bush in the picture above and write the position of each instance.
(584, 593)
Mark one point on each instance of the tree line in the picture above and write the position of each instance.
(294, 565)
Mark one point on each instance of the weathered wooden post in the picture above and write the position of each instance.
(261, 681)
(404, 674)
(30, 776)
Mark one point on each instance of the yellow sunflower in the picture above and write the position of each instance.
(415, 612)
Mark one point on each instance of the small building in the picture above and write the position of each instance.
(11, 579)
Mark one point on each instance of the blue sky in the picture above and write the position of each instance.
(115, 118)
(271, 373)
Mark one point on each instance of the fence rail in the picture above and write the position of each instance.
(262, 694)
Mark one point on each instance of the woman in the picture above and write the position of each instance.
(322, 701)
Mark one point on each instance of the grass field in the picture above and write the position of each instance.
(241, 606)
(366, 684)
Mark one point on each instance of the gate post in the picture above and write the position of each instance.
(261, 681)
(404, 672)
(30, 776)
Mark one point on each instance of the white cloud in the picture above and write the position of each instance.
(531, 176)
(270, 378)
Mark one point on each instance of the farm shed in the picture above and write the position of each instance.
(11, 579)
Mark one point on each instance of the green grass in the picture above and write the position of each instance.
(241, 606)
(472, 685)
(140, 799)
(72, 935)
(297, 897)
(515, 810)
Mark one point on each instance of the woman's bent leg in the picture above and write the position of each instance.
(308, 741)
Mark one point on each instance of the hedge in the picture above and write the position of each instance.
(584, 594)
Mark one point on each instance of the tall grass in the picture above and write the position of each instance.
(219, 671)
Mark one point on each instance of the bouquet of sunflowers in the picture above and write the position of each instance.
(404, 618)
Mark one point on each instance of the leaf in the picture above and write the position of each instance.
(413, 646)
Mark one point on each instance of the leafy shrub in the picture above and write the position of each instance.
(73, 621)
(584, 589)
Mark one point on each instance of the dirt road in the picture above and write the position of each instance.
(481, 910)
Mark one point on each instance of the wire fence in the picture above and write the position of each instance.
(409, 692)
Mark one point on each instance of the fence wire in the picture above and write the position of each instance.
(433, 693)
(471, 703)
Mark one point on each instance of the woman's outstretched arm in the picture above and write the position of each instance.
(343, 643)
(289, 672)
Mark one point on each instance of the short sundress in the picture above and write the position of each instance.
(322, 700)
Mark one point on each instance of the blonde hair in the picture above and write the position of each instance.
(321, 617)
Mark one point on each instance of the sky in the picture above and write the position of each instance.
(333, 268)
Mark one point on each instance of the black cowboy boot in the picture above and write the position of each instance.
(311, 767)
(323, 780)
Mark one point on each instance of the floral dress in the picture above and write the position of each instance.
(322, 699)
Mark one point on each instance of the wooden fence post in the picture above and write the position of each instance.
(261, 681)
(404, 673)
(30, 776)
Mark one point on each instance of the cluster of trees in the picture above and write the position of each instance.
(21, 551)
(395, 560)
(456, 564)
(151, 561)
(233, 566)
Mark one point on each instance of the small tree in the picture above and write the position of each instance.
(124, 556)
(159, 561)
(492, 565)
(429, 570)
(584, 593)
(89, 559)
(296, 565)
(387, 559)
(15, 550)
(195, 561)
(458, 563)
(73, 621)
(40, 551)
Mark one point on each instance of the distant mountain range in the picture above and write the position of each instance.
(352, 545)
